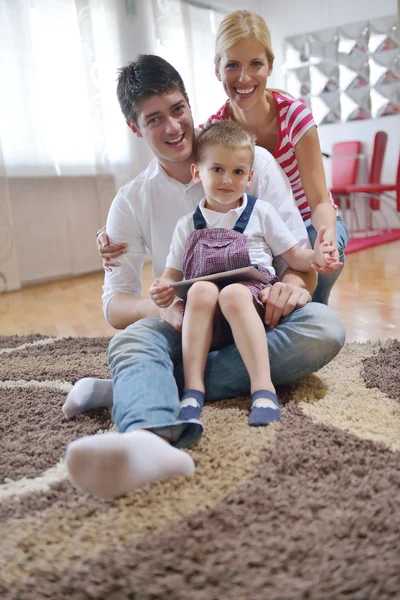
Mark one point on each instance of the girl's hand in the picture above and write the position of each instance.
(162, 293)
(326, 255)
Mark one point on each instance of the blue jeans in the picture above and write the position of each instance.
(146, 365)
(326, 282)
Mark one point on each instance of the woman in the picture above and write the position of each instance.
(243, 62)
(284, 126)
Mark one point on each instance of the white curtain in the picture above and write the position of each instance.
(52, 106)
(185, 37)
(60, 122)
(62, 137)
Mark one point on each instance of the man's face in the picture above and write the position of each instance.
(165, 122)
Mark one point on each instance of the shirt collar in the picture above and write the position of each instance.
(212, 216)
(156, 170)
(191, 183)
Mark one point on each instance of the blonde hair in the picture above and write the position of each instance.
(239, 25)
(225, 133)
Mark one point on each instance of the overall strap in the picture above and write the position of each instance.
(244, 218)
(199, 221)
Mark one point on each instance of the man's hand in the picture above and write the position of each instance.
(162, 293)
(108, 252)
(326, 254)
(282, 299)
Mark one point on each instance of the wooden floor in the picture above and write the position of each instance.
(366, 296)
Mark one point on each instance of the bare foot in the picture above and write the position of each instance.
(173, 315)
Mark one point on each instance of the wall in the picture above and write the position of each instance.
(55, 223)
(294, 17)
(9, 269)
(230, 5)
(313, 15)
(54, 219)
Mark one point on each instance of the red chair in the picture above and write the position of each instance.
(378, 154)
(375, 173)
(364, 189)
(378, 191)
(345, 162)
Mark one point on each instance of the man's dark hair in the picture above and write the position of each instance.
(146, 76)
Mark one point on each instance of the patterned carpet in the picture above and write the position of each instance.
(307, 509)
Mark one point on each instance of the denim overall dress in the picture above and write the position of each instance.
(209, 251)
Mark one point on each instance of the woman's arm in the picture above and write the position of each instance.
(312, 174)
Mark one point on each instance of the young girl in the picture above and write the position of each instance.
(229, 230)
(283, 125)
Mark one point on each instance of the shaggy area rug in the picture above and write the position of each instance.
(305, 509)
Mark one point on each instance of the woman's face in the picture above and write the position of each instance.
(243, 71)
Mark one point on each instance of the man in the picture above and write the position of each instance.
(145, 356)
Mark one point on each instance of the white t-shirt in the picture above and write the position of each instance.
(266, 233)
(146, 210)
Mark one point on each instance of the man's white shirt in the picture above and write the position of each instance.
(146, 210)
(267, 235)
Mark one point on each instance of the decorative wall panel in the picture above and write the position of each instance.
(346, 73)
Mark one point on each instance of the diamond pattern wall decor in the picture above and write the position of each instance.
(346, 73)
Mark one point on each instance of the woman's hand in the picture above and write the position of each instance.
(162, 293)
(312, 175)
(108, 252)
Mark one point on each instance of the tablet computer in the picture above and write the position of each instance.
(245, 274)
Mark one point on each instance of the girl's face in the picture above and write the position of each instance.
(243, 71)
(225, 173)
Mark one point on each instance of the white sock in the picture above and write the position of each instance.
(113, 464)
(87, 394)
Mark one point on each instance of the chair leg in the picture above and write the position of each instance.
(367, 215)
(389, 201)
(353, 209)
(350, 216)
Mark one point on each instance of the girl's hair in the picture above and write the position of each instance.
(225, 133)
(239, 25)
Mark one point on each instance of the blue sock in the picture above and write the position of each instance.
(191, 405)
(265, 408)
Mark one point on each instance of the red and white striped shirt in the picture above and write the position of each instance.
(294, 120)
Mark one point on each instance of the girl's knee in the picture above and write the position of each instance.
(235, 297)
(203, 292)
